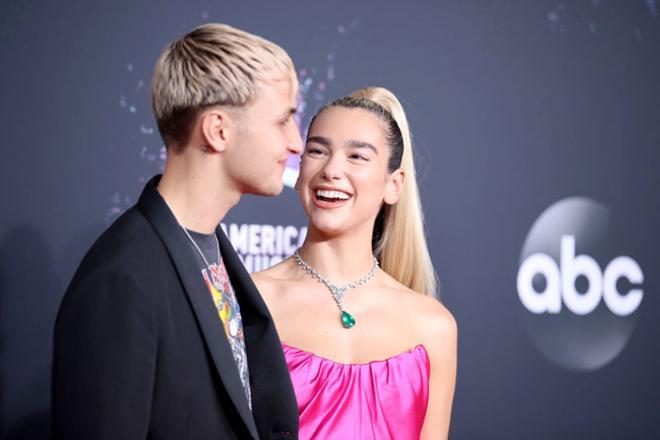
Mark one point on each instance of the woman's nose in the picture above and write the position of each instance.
(331, 169)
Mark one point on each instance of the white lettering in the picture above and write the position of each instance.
(254, 238)
(622, 305)
(560, 282)
(573, 266)
(267, 239)
(547, 301)
(290, 233)
(238, 235)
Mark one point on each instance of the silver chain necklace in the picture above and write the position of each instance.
(217, 244)
(337, 292)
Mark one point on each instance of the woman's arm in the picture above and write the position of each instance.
(439, 336)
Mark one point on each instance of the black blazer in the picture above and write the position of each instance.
(140, 352)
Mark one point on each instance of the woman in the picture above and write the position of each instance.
(371, 352)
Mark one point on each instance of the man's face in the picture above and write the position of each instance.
(266, 135)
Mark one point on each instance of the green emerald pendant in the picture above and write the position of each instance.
(347, 320)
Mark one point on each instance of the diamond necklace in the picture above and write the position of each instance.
(337, 292)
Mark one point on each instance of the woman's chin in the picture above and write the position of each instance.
(327, 229)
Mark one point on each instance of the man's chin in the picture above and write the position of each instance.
(271, 191)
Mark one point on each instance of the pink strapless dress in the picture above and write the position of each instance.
(378, 400)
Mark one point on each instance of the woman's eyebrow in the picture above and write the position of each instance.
(352, 143)
(319, 140)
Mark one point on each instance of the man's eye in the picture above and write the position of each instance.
(313, 151)
(358, 156)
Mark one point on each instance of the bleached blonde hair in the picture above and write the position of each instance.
(214, 64)
(398, 240)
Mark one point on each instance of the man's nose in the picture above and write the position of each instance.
(295, 141)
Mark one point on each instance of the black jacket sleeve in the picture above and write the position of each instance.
(104, 359)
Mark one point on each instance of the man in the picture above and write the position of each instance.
(162, 334)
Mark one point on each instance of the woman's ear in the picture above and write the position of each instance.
(393, 187)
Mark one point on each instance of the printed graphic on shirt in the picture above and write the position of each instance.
(224, 298)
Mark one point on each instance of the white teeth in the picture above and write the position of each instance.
(331, 194)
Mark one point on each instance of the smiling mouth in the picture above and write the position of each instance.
(330, 198)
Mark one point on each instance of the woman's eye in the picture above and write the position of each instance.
(313, 151)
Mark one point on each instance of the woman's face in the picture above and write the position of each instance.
(343, 177)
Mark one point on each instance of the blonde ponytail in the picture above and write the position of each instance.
(399, 241)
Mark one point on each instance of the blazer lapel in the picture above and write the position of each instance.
(274, 403)
(154, 208)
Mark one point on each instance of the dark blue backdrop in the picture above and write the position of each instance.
(514, 106)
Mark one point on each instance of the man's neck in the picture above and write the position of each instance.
(199, 202)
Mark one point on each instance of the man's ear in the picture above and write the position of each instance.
(216, 126)
(394, 186)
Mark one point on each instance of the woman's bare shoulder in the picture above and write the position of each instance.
(276, 273)
(434, 325)
(273, 280)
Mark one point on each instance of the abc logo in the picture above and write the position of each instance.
(560, 282)
(578, 293)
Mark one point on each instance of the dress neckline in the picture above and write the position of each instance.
(419, 348)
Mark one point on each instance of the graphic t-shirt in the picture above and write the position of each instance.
(217, 281)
